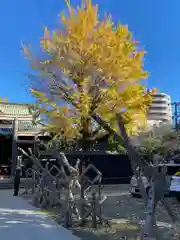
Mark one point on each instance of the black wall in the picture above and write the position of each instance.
(116, 169)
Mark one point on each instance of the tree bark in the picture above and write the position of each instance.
(137, 166)
(136, 162)
(149, 226)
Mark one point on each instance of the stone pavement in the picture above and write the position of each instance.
(18, 219)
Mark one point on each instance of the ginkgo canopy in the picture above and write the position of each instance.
(91, 66)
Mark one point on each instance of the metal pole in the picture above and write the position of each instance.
(176, 116)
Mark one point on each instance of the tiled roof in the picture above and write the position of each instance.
(14, 109)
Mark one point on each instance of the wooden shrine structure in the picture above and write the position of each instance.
(16, 121)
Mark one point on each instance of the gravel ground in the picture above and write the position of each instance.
(127, 214)
(126, 208)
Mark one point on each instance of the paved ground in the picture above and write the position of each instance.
(18, 219)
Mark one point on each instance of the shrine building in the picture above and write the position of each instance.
(16, 128)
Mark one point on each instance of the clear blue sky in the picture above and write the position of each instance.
(156, 24)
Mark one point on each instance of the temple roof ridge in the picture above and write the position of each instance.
(10, 108)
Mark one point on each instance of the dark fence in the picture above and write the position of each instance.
(116, 168)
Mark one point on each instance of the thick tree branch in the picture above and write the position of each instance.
(136, 162)
(97, 118)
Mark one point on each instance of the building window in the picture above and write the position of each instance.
(158, 108)
(158, 114)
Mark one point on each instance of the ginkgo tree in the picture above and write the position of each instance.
(89, 69)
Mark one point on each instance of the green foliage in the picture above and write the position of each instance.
(62, 144)
(152, 144)
(115, 145)
(161, 144)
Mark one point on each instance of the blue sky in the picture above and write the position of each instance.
(156, 24)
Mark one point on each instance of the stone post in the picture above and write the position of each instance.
(14, 147)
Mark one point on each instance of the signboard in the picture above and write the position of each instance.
(6, 131)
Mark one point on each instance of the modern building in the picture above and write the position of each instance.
(160, 119)
(160, 110)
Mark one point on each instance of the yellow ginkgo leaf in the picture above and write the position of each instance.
(90, 67)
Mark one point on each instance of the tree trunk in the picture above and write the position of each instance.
(136, 162)
(149, 199)
(86, 145)
(86, 134)
(149, 231)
